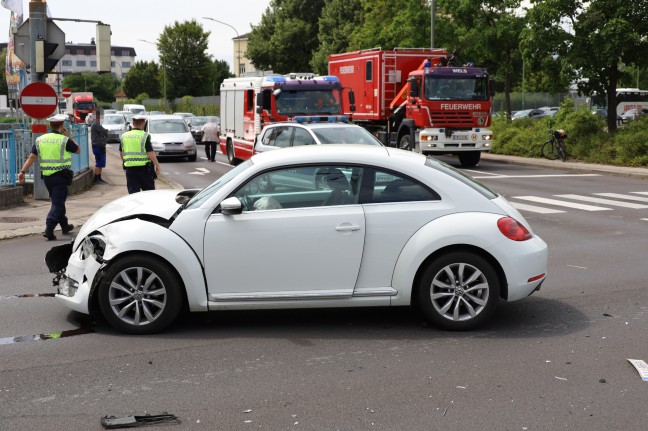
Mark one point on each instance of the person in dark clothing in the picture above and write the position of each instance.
(98, 135)
(140, 162)
(54, 151)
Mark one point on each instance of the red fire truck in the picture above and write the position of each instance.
(416, 99)
(250, 103)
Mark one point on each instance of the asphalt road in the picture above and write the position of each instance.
(556, 360)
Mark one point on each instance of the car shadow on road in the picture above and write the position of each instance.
(531, 318)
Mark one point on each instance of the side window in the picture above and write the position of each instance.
(302, 187)
(369, 71)
(390, 187)
(302, 137)
(282, 137)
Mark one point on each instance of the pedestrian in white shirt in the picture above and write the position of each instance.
(210, 137)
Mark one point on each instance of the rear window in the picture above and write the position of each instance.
(457, 174)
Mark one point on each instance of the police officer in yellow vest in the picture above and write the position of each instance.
(54, 153)
(136, 152)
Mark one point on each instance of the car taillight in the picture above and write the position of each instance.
(513, 229)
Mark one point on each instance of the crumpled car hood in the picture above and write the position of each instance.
(153, 203)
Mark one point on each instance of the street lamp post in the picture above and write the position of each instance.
(238, 44)
(163, 71)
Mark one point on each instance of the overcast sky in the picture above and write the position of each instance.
(131, 20)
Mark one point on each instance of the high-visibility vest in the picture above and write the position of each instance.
(52, 155)
(134, 148)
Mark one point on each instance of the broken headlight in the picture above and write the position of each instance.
(93, 246)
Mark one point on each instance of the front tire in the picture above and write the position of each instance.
(405, 143)
(140, 294)
(548, 151)
(459, 291)
(469, 159)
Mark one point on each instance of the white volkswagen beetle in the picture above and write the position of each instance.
(306, 227)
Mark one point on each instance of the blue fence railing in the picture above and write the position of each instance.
(16, 144)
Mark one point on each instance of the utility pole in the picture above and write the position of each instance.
(37, 38)
(432, 7)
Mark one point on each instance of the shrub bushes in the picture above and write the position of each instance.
(587, 139)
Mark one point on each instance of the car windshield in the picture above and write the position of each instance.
(198, 121)
(114, 119)
(167, 126)
(345, 135)
(208, 191)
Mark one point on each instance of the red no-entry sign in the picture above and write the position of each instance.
(66, 92)
(38, 100)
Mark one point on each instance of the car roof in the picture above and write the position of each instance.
(336, 153)
(315, 125)
(165, 117)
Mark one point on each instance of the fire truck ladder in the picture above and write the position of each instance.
(390, 83)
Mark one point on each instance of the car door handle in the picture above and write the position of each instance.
(347, 228)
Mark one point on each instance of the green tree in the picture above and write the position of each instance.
(338, 21)
(4, 89)
(219, 71)
(143, 77)
(488, 34)
(591, 42)
(183, 52)
(286, 37)
(393, 23)
(102, 86)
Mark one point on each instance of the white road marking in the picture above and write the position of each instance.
(640, 193)
(535, 209)
(482, 173)
(562, 203)
(622, 196)
(603, 201)
(579, 267)
(644, 219)
(539, 176)
(200, 171)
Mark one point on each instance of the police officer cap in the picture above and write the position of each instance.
(58, 118)
(139, 117)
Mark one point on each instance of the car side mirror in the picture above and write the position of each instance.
(231, 206)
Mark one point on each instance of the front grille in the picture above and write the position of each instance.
(452, 119)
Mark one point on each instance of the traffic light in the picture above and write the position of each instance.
(103, 48)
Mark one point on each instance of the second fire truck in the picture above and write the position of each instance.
(417, 99)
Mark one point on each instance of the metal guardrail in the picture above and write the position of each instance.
(16, 144)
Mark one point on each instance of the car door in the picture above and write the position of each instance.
(290, 247)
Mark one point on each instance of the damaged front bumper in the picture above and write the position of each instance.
(74, 278)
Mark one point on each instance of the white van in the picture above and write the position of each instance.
(135, 109)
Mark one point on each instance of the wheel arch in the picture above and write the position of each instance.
(93, 301)
(133, 236)
(470, 232)
(501, 276)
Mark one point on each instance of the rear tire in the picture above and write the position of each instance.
(562, 153)
(469, 159)
(230, 154)
(459, 291)
(548, 151)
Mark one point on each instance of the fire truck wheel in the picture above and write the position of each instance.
(230, 154)
(405, 143)
(469, 159)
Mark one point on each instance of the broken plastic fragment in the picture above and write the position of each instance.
(641, 367)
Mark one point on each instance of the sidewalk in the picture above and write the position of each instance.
(29, 218)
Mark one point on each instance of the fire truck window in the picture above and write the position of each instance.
(369, 71)
(302, 137)
(267, 98)
(250, 100)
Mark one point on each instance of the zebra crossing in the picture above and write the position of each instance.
(557, 204)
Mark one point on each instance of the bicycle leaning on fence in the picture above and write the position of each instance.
(554, 148)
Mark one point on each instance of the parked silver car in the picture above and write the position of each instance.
(171, 137)
(116, 125)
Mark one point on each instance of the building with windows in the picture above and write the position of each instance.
(242, 65)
